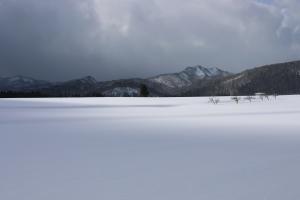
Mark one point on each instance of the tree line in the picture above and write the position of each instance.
(17, 94)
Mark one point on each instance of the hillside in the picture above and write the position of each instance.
(282, 78)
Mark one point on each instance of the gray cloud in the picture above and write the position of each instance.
(110, 39)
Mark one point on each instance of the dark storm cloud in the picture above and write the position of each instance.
(44, 38)
(61, 39)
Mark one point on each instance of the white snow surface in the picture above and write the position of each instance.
(149, 149)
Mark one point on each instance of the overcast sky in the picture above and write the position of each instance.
(111, 39)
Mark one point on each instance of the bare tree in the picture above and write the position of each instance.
(236, 99)
(249, 98)
(266, 97)
(214, 100)
(260, 95)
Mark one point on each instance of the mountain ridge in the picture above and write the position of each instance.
(281, 78)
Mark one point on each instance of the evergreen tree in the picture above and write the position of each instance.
(144, 91)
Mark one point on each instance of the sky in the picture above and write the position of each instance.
(112, 39)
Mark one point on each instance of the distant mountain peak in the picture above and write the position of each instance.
(20, 78)
(84, 80)
(202, 72)
(22, 83)
(186, 77)
(89, 79)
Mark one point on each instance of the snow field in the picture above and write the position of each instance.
(149, 148)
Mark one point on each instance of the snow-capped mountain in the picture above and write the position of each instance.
(282, 78)
(202, 72)
(186, 77)
(17, 83)
(172, 84)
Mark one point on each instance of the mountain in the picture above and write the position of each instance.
(120, 88)
(174, 84)
(85, 86)
(282, 78)
(187, 77)
(22, 83)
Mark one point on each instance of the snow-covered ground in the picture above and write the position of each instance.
(149, 149)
